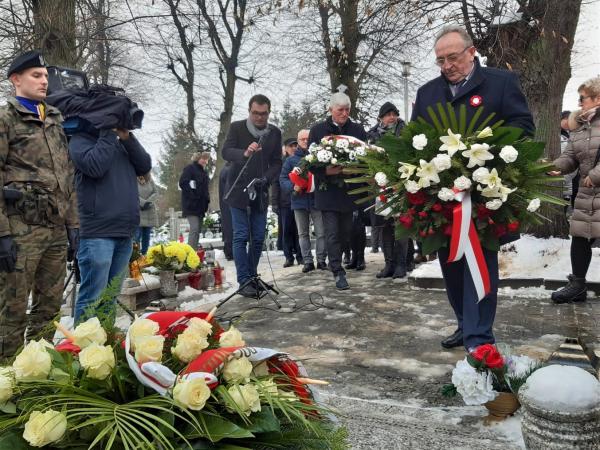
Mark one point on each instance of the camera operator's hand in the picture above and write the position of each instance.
(252, 148)
(333, 170)
(122, 133)
(146, 206)
(8, 254)
(73, 238)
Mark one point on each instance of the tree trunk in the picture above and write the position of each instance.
(538, 47)
(54, 28)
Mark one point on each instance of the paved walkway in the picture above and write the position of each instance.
(378, 345)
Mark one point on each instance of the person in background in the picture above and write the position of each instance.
(195, 197)
(38, 209)
(334, 202)
(289, 231)
(226, 227)
(571, 183)
(303, 207)
(395, 251)
(583, 153)
(147, 193)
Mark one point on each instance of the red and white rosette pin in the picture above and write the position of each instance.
(476, 101)
(465, 242)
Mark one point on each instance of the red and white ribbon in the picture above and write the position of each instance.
(465, 242)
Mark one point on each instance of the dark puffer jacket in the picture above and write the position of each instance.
(581, 153)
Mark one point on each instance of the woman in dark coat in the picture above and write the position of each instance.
(194, 194)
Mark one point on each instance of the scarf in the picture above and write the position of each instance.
(587, 116)
(256, 132)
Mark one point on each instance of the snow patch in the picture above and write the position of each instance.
(420, 369)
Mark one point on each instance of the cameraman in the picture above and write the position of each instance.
(36, 203)
(255, 144)
(107, 162)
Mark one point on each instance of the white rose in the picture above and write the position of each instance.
(361, 151)
(200, 326)
(475, 388)
(261, 369)
(481, 174)
(44, 428)
(89, 332)
(462, 183)
(267, 387)
(412, 186)
(334, 161)
(381, 179)
(325, 141)
(189, 346)
(419, 141)
(446, 194)
(149, 348)
(142, 327)
(245, 397)
(509, 153)
(98, 360)
(486, 132)
(342, 143)
(192, 393)
(442, 161)
(237, 370)
(533, 205)
(231, 338)
(7, 377)
(493, 204)
(33, 363)
(309, 158)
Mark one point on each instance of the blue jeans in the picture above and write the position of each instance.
(142, 237)
(245, 257)
(100, 260)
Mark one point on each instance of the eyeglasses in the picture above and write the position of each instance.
(583, 97)
(260, 114)
(451, 58)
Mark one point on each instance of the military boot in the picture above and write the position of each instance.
(400, 250)
(574, 291)
(388, 257)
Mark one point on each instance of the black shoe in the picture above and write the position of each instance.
(341, 283)
(308, 267)
(249, 291)
(288, 263)
(299, 260)
(374, 250)
(322, 265)
(454, 340)
(346, 260)
(386, 272)
(574, 291)
(351, 264)
(360, 264)
(399, 272)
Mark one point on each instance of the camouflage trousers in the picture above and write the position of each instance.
(40, 270)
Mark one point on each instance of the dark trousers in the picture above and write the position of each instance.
(227, 230)
(290, 242)
(581, 255)
(338, 226)
(142, 237)
(358, 239)
(474, 319)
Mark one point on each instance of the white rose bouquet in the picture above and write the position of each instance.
(176, 380)
(425, 173)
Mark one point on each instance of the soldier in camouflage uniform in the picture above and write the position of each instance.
(37, 200)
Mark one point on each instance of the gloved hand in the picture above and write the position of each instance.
(8, 254)
(145, 206)
(262, 183)
(73, 237)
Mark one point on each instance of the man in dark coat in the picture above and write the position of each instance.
(225, 213)
(334, 201)
(289, 231)
(464, 81)
(254, 146)
(195, 196)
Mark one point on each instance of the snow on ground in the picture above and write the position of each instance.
(529, 257)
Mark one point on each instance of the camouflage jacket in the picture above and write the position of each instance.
(35, 152)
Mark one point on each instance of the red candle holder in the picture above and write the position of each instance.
(218, 272)
(195, 279)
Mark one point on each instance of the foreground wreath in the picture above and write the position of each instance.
(176, 380)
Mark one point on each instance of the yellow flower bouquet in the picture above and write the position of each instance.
(173, 256)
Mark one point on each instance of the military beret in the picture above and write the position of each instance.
(25, 61)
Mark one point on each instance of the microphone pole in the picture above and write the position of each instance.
(245, 167)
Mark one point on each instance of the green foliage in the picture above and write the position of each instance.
(293, 119)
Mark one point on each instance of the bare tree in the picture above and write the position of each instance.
(55, 30)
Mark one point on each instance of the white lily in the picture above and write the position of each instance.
(491, 179)
(406, 170)
(486, 132)
(452, 143)
(478, 154)
(499, 191)
(428, 172)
